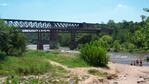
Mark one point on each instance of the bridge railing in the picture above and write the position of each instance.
(28, 24)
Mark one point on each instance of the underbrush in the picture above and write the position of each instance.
(54, 76)
(24, 65)
(97, 73)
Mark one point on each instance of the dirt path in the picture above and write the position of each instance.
(126, 74)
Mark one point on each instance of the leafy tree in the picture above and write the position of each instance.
(116, 46)
(12, 41)
(146, 9)
(139, 39)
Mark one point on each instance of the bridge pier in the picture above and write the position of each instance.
(53, 40)
(73, 42)
(39, 44)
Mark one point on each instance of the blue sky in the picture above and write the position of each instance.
(94, 11)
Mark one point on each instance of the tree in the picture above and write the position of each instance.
(116, 46)
(12, 41)
(143, 17)
(146, 9)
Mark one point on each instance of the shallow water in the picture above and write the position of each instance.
(127, 58)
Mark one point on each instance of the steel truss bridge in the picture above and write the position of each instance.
(53, 28)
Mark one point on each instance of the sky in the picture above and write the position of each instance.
(92, 11)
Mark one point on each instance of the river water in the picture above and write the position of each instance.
(122, 58)
(127, 58)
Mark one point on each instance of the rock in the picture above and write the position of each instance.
(140, 80)
(115, 82)
(113, 76)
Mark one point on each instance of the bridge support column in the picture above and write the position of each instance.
(39, 44)
(53, 40)
(73, 42)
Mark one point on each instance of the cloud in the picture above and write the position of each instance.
(3, 4)
(121, 5)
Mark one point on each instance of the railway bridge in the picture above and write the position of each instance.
(53, 28)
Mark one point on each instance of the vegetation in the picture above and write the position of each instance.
(147, 59)
(94, 55)
(97, 73)
(24, 66)
(121, 36)
(12, 41)
(72, 61)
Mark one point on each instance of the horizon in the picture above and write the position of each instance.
(95, 11)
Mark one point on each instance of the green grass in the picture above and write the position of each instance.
(69, 60)
(97, 73)
(24, 65)
(36, 62)
(55, 72)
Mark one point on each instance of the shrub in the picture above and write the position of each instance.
(116, 46)
(94, 55)
(129, 46)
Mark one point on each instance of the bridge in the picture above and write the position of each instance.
(53, 28)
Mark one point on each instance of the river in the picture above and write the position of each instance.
(122, 58)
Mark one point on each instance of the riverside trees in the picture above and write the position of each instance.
(12, 41)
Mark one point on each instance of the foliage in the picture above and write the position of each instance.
(94, 55)
(87, 38)
(12, 41)
(116, 46)
(64, 39)
(147, 59)
(97, 73)
(72, 61)
(128, 46)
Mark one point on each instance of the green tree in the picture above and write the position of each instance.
(139, 38)
(12, 41)
(116, 46)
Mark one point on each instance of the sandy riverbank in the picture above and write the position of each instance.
(126, 74)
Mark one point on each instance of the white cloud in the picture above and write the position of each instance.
(121, 5)
(3, 4)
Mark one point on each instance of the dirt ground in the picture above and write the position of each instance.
(123, 74)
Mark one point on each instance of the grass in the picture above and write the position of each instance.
(69, 60)
(97, 73)
(55, 73)
(36, 63)
(24, 65)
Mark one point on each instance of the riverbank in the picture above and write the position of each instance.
(65, 67)
(117, 57)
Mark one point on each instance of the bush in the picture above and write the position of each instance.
(116, 46)
(94, 55)
(128, 46)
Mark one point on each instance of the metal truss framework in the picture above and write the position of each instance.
(52, 27)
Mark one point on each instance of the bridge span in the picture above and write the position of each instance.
(53, 28)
